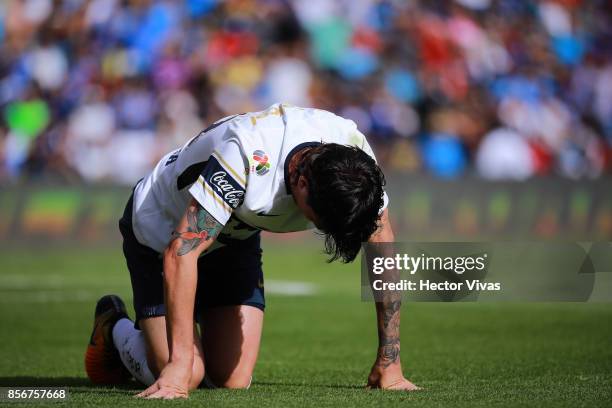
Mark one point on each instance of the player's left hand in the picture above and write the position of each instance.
(389, 378)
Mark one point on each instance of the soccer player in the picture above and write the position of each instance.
(191, 239)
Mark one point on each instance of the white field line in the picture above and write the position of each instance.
(290, 288)
(47, 281)
(53, 289)
(47, 296)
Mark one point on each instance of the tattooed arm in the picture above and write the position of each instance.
(195, 232)
(387, 370)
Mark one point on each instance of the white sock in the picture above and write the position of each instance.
(132, 350)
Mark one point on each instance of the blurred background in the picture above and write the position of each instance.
(492, 120)
(489, 117)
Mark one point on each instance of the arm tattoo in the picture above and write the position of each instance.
(388, 333)
(201, 226)
(388, 305)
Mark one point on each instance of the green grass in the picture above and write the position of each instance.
(316, 350)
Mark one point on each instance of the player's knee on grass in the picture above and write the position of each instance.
(156, 339)
(158, 361)
(197, 375)
(231, 337)
(236, 382)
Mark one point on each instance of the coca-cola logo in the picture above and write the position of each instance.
(226, 189)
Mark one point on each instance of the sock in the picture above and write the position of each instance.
(132, 350)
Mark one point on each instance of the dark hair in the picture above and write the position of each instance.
(345, 191)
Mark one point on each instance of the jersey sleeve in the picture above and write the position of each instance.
(356, 138)
(221, 186)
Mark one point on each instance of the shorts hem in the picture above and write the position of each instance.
(149, 311)
(257, 305)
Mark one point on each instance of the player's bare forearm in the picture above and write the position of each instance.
(388, 309)
(180, 280)
(387, 371)
(196, 232)
(388, 317)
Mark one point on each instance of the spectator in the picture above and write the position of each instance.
(508, 89)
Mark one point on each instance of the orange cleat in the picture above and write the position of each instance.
(102, 362)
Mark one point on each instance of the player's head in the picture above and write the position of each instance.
(340, 188)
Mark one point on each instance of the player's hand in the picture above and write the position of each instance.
(173, 382)
(389, 378)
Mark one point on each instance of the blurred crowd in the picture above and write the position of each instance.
(98, 90)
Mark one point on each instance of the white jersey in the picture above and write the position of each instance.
(236, 170)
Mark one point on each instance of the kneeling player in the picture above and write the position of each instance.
(191, 241)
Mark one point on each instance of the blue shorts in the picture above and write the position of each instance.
(230, 275)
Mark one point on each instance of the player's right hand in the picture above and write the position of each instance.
(173, 382)
(389, 378)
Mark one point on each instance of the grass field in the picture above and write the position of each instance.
(317, 349)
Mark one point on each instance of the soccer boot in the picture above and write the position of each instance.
(102, 362)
